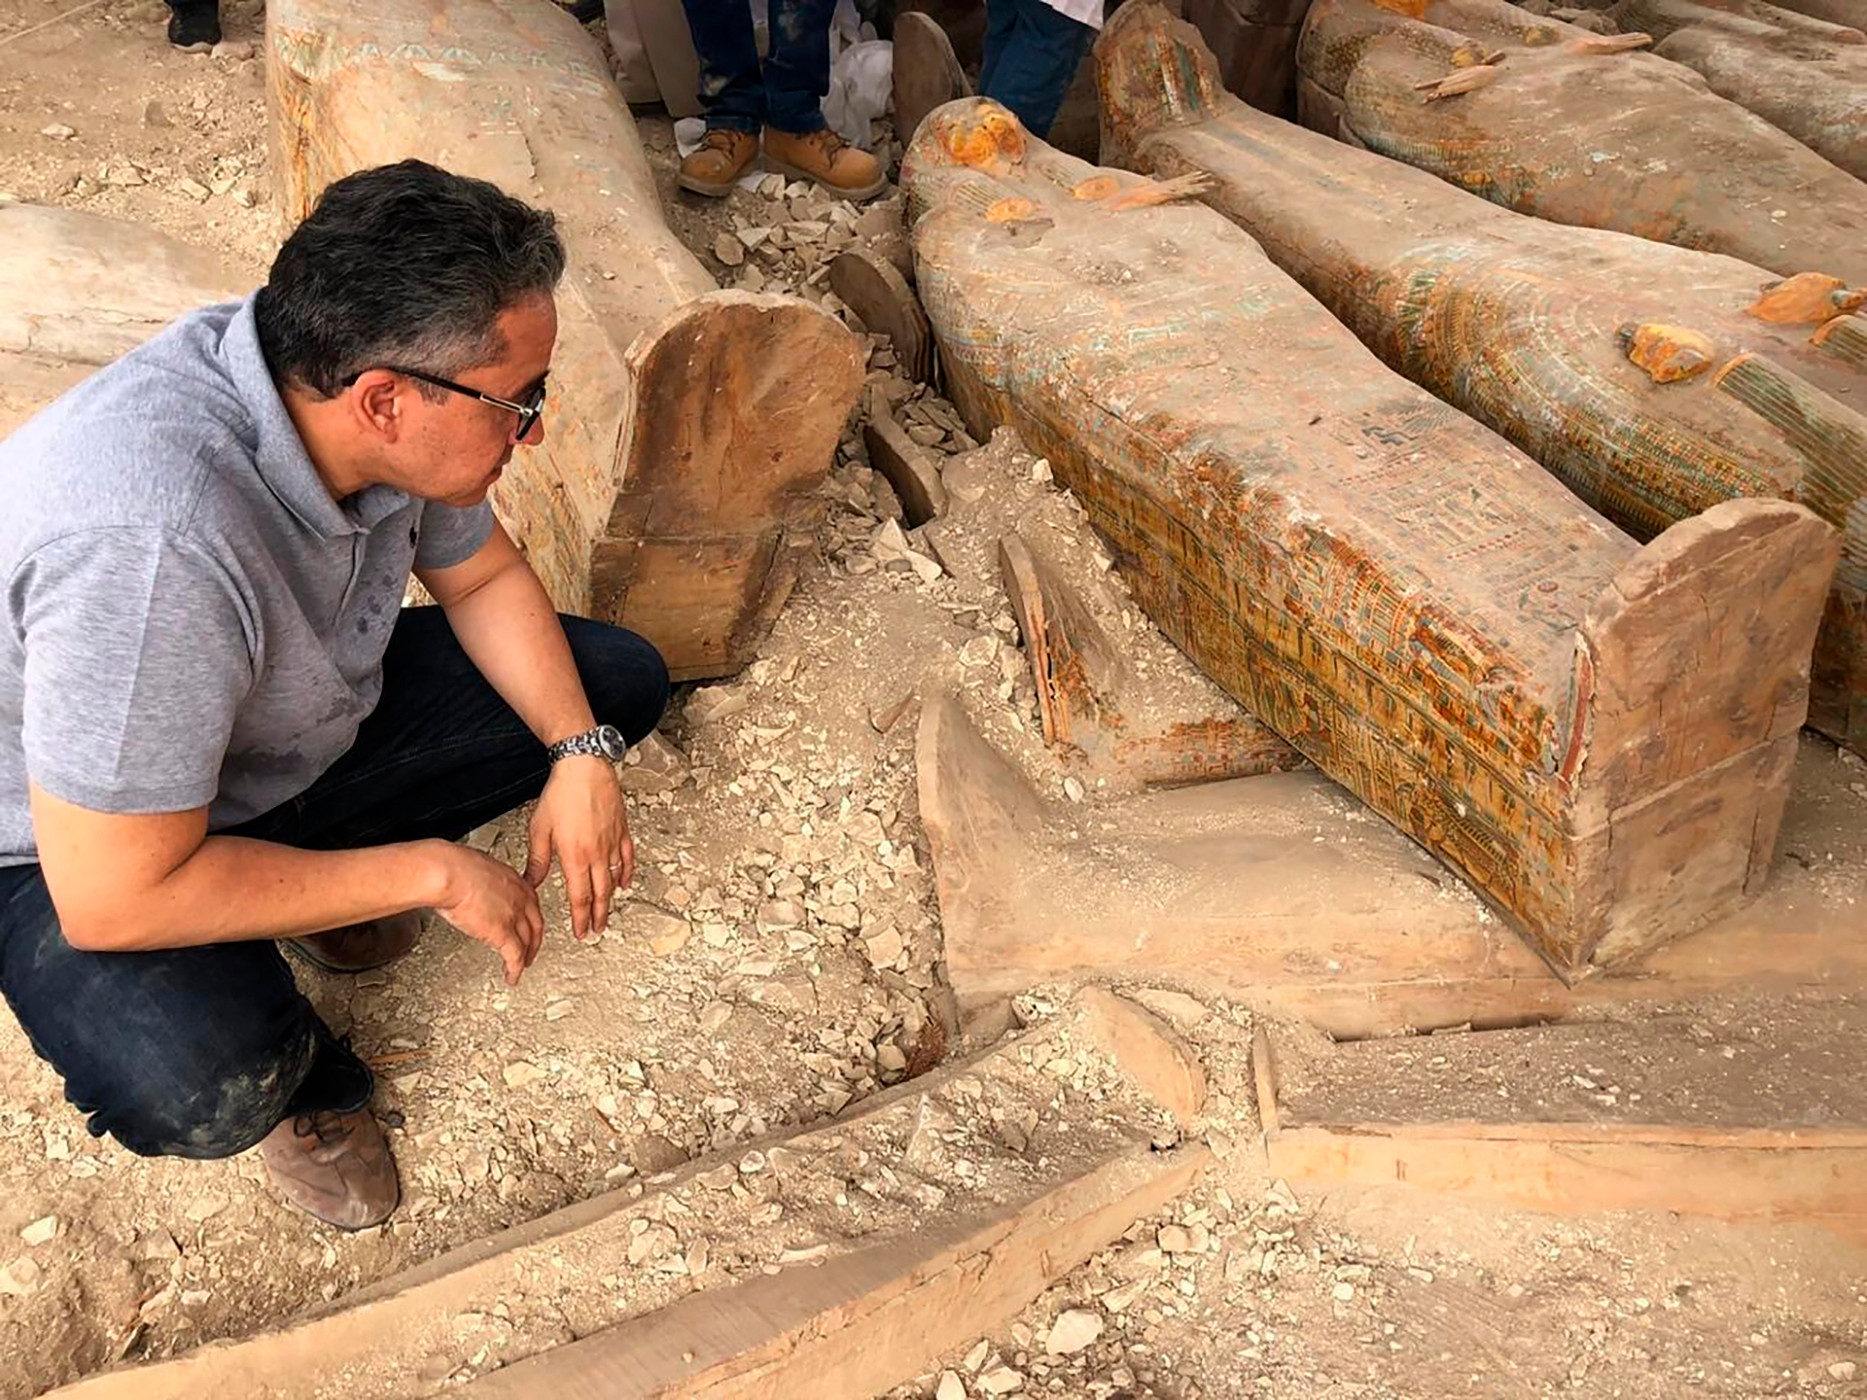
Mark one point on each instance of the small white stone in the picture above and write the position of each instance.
(41, 1231)
(651, 1244)
(980, 651)
(1344, 1293)
(19, 1278)
(520, 1073)
(951, 1387)
(886, 948)
(1843, 1370)
(57, 131)
(1001, 1380)
(780, 913)
(1072, 1331)
(204, 1208)
(1174, 1240)
(1281, 1196)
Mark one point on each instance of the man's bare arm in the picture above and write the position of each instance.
(126, 884)
(504, 621)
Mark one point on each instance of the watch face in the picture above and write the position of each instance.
(615, 747)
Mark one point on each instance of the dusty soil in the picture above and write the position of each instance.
(780, 957)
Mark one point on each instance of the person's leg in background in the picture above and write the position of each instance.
(732, 90)
(1001, 23)
(1032, 67)
(205, 1052)
(797, 79)
(797, 65)
(194, 25)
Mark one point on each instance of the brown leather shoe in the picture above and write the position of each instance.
(360, 947)
(335, 1166)
(721, 160)
(828, 159)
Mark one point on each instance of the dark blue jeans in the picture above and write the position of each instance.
(200, 1052)
(788, 92)
(1031, 56)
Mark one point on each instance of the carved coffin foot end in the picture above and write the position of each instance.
(1694, 665)
(738, 404)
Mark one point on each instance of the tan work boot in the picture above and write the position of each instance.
(828, 159)
(335, 1166)
(720, 161)
(360, 947)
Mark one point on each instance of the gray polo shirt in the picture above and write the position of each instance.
(187, 617)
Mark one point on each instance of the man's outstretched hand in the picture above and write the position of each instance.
(580, 819)
(486, 900)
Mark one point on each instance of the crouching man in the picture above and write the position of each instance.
(220, 732)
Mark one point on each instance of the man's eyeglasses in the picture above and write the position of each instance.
(529, 412)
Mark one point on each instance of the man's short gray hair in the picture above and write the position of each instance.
(405, 265)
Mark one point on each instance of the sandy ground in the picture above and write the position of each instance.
(780, 959)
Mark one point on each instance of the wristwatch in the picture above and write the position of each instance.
(605, 740)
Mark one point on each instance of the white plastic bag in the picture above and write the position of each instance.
(861, 83)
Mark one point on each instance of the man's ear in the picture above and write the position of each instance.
(376, 402)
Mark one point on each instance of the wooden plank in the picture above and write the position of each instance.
(874, 288)
(1762, 1119)
(77, 290)
(1264, 1081)
(907, 466)
(1281, 893)
(1150, 1052)
(1566, 131)
(1395, 590)
(698, 423)
(852, 1306)
(1653, 381)
(1742, 1184)
(1789, 1070)
(1252, 881)
(869, 1321)
(1677, 1135)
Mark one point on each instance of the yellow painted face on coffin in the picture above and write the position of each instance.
(988, 139)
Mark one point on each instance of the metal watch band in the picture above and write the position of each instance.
(588, 742)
